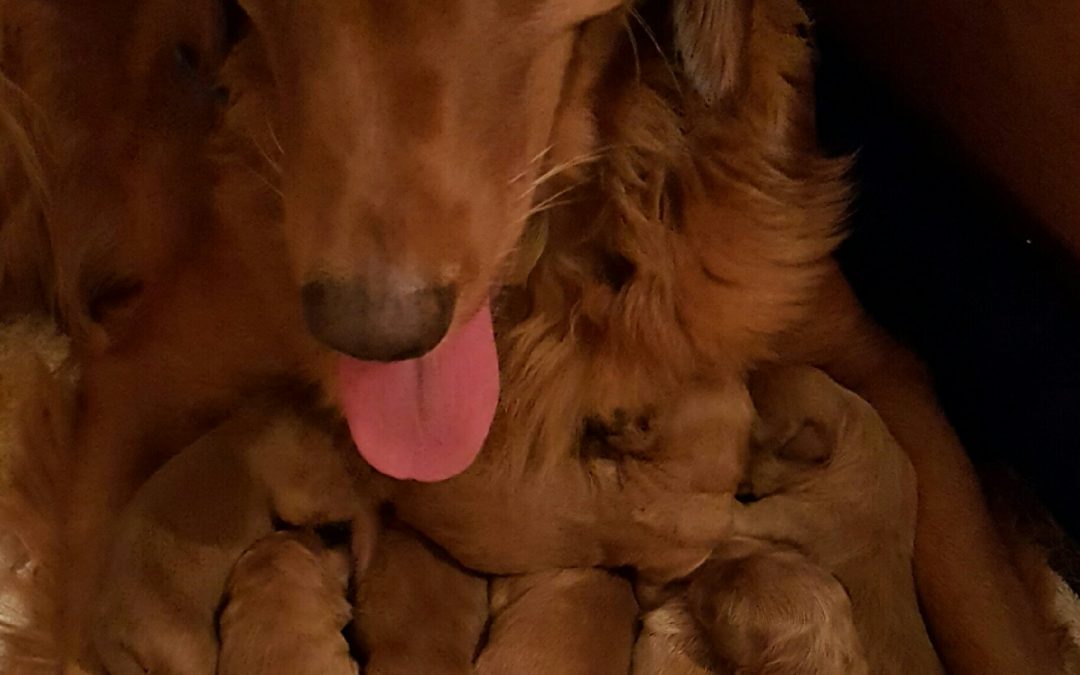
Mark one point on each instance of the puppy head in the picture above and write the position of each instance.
(770, 610)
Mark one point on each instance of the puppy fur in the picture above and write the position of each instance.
(286, 608)
(766, 608)
(178, 540)
(418, 611)
(578, 622)
(696, 244)
(833, 482)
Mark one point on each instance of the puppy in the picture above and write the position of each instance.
(833, 482)
(755, 607)
(671, 643)
(187, 526)
(286, 609)
(417, 611)
(577, 622)
(769, 609)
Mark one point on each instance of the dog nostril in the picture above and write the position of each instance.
(378, 321)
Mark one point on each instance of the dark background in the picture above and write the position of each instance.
(943, 258)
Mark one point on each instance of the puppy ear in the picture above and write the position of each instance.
(711, 39)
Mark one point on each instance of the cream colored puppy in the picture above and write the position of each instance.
(754, 607)
(832, 481)
(286, 609)
(187, 526)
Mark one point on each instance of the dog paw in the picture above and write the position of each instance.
(685, 529)
(800, 421)
(800, 413)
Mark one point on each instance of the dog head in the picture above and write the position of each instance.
(109, 101)
(417, 136)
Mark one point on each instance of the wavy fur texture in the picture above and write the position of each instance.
(690, 243)
(37, 384)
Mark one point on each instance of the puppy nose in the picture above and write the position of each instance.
(378, 321)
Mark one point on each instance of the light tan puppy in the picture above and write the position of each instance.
(833, 482)
(188, 525)
(755, 607)
(572, 622)
(767, 608)
(671, 643)
(286, 610)
(417, 611)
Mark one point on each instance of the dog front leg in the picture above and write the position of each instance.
(571, 513)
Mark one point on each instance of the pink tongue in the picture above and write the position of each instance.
(425, 419)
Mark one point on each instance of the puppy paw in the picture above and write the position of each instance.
(801, 415)
(685, 529)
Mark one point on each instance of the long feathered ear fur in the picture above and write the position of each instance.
(711, 39)
(36, 412)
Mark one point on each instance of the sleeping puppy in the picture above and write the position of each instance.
(833, 482)
(670, 643)
(574, 622)
(286, 609)
(187, 526)
(416, 610)
(767, 608)
(755, 607)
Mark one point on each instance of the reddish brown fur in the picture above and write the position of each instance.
(287, 609)
(724, 216)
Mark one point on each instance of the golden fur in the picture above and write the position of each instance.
(578, 622)
(695, 245)
(37, 384)
(766, 608)
(416, 610)
(183, 531)
(286, 609)
(831, 481)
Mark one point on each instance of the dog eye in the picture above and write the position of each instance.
(187, 57)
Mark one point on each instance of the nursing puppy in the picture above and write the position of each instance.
(286, 609)
(831, 481)
(755, 607)
(180, 537)
(416, 610)
(578, 622)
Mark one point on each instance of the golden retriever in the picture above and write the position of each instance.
(37, 405)
(766, 608)
(695, 242)
(418, 142)
(176, 313)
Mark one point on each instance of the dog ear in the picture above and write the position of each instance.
(711, 39)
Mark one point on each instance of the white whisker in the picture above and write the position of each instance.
(274, 137)
(539, 156)
(558, 169)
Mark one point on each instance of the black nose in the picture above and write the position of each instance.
(377, 321)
